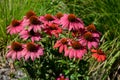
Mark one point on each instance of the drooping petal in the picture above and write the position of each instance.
(61, 48)
(19, 55)
(57, 44)
(24, 52)
(32, 56)
(79, 54)
(99, 59)
(9, 54)
(65, 48)
(75, 53)
(95, 44)
(96, 35)
(66, 53)
(14, 55)
(71, 54)
(93, 51)
(95, 55)
(27, 56)
(89, 45)
(103, 57)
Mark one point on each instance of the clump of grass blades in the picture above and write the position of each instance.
(103, 70)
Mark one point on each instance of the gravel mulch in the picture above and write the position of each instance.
(8, 71)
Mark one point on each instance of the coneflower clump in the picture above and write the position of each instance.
(32, 27)
(46, 35)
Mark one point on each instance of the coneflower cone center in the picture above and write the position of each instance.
(64, 41)
(76, 45)
(30, 13)
(34, 20)
(16, 46)
(91, 27)
(49, 17)
(100, 52)
(32, 33)
(62, 79)
(32, 47)
(88, 36)
(71, 17)
(15, 23)
(59, 15)
(53, 27)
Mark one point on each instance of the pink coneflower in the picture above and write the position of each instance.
(53, 29)
(15, 27)
(32, 51)
(61, 77)
(89, 39)
(35, 24)
(71, 22)
(76, 50)
(93, 30)
(15, 51)
(58, 17)
(31, 21)
(47, 18)
(99, 55)
(78, 33)
(27, 17)
(62, 44)
(34, 36)
(30, 13)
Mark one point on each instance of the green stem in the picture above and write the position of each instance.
(92, 67)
